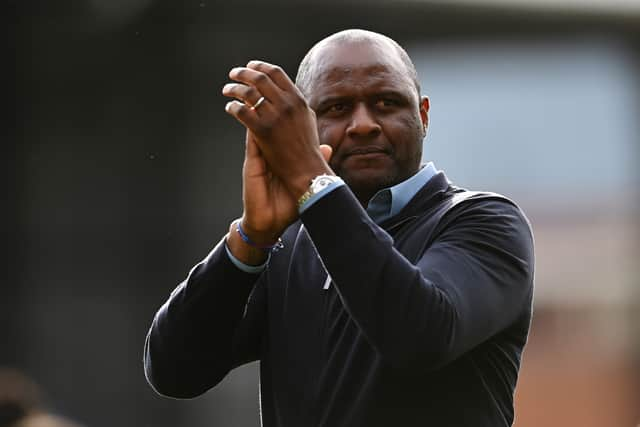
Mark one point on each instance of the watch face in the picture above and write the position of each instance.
(321, 182)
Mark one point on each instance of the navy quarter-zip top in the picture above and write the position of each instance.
(423, 323)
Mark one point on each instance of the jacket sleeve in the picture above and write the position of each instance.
(473, 281)
(209, 325)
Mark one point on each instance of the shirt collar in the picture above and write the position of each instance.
(389, 201)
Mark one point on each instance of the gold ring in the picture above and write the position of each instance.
(257, 104)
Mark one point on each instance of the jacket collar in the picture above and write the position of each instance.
(388, 202)
(436, 189)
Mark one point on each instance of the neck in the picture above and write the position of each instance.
(364, 197)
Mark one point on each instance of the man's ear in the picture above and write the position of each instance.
(424, 113)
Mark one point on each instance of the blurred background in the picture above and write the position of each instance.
(123, 171)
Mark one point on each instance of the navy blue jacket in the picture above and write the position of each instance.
(423, 324)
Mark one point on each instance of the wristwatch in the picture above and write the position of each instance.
(318, 184)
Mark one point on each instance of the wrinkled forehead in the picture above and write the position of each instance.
(374, 60)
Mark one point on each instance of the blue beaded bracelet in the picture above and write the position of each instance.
(267, 248)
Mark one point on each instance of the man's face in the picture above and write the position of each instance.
(368, 110)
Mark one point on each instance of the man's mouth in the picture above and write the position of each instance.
(367, 151)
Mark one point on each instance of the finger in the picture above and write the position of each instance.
(326, 151)
(245, 115)
(259, 80)
(275, 73)
(247, 94)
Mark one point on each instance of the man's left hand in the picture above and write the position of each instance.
(283, 123)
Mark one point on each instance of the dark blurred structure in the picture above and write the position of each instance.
(19, 397)
(22, 403)
(123, 171)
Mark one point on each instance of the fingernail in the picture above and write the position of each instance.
(227, 107)
(226, 87)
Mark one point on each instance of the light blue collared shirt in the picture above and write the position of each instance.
(382, 206)
(390, 201)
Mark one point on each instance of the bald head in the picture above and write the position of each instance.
(311, 63)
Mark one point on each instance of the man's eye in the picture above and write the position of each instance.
(386, 103)
(337, 108)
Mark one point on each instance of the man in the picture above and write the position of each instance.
(396, 299)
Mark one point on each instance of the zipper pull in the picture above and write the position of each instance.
(327, 282)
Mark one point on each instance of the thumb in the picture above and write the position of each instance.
(254, 163)
(326, 151)
(252, 150)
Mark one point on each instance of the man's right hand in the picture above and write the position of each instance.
(269, 208)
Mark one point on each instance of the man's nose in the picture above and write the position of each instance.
(363, 122)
